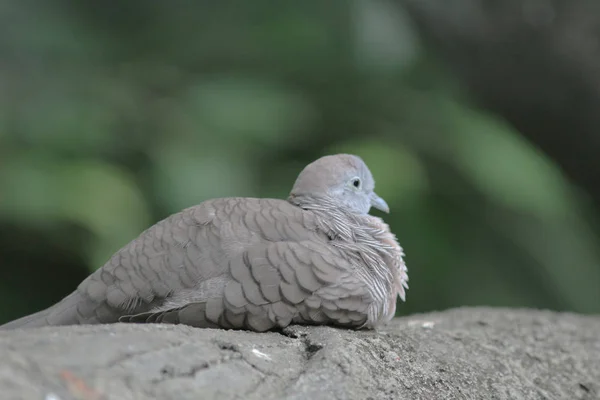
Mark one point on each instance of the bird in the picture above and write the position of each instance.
(258, 264)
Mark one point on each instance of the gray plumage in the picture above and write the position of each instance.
(258, 264)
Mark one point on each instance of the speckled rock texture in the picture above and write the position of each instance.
(467, 353)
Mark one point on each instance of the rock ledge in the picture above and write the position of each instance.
(466, 353)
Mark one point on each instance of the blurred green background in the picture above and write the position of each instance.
(480, 130)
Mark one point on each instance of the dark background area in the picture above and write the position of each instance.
(479, 119)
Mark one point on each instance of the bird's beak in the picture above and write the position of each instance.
(379, 203)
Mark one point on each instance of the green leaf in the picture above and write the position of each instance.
(235, 105)
(96, 195)
(508, 168)
(385, 38)
(186, 176)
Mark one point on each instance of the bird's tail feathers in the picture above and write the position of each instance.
(61, 313)
(29, 321)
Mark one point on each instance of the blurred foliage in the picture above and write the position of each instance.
(115, 115)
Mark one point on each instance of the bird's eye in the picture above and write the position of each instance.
(356, 182)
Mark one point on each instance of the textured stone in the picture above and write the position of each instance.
(457, 354)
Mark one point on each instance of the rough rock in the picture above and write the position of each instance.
(467, 353)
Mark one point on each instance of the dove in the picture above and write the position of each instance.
(315, 258)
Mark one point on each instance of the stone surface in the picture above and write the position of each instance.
(457, 354)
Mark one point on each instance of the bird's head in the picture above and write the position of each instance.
(343, 179)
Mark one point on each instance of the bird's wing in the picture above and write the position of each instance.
(289, 273)
(274, 284)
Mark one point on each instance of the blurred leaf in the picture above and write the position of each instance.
(28, 185)
(514, 174)
(56, 33)
(186, 176)
(385, 40)
(93, 194)
(107, 201)
(77, 119)
(65, 121)
(233, 106)
(506, 167)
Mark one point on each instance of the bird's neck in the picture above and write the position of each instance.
(323, 203)
(340, 221)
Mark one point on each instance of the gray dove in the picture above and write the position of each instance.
(256, 264)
